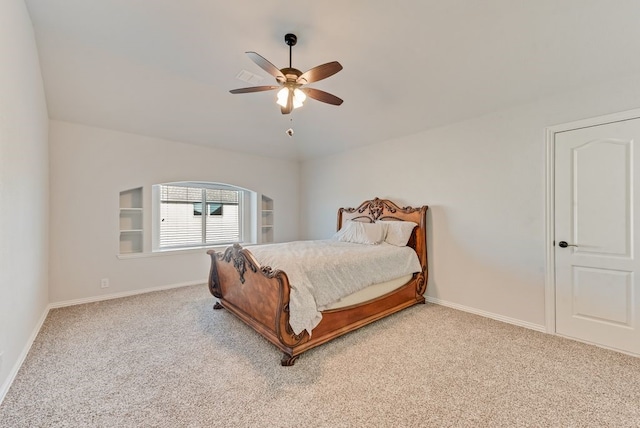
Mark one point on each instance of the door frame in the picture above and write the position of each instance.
(550, 148)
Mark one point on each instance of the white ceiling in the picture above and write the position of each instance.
(163, 68)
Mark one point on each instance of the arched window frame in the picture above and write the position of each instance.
(246, 222)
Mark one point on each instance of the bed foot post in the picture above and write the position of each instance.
(287, 360)
(217, 305)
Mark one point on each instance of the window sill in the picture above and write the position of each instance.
(176, 251)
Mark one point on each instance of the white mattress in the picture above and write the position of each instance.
(322, 272)
(366, 294)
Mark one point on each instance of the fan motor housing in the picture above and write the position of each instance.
(292, 74)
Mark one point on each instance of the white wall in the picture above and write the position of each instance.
(484, 182)
(90, 166)
(24, 188)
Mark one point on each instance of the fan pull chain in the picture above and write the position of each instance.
(289, 131)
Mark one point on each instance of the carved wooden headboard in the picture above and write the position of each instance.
(384, 209)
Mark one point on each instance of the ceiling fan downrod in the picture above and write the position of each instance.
(291, 40)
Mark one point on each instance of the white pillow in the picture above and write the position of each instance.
(397, 232)
(361, 233)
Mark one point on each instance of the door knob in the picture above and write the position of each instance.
(563, 244)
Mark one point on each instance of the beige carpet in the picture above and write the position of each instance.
(166, 359)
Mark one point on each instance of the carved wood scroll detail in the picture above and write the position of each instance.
(288, 360)
(421, 284)
(377, 207)
(240, 261)
(294, 338)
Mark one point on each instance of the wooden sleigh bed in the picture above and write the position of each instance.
(259, 295)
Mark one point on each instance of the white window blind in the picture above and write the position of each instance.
(193, 216)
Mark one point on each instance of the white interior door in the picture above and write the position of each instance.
(596, 211)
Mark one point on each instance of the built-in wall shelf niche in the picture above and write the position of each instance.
(267, 220)
(131, 221)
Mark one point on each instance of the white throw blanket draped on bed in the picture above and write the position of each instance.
(322, 272)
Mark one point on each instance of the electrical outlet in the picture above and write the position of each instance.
(104, 282)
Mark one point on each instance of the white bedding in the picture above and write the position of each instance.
(322, 272)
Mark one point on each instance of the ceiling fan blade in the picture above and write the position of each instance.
(289, 108)
(267, 66)
(323, 96)
(253, 89)
(320, 72)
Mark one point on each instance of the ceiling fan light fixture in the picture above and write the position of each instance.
(298, 97)
(283, 94)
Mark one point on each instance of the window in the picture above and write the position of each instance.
(182, 222)
(212, 208)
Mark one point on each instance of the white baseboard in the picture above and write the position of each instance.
(23, 355)
(508, 320)
(93, 299)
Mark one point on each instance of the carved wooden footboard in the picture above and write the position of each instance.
(259, 295)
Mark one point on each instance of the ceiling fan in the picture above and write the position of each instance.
(291, 80)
